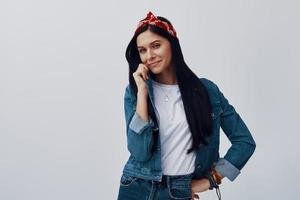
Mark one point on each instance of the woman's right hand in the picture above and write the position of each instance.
(140, 75)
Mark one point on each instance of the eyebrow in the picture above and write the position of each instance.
(150, 43)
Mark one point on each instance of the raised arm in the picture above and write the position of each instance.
(139, 130)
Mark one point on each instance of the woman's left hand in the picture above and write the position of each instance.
(195, 196)
(199, 185)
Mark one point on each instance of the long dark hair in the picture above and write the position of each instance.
(193, 93)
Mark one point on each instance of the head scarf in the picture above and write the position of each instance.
(153, 20)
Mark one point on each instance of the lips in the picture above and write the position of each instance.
(153, 64)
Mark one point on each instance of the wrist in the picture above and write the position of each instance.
(217, 177)
(142, 92)
(200, 185)
(214, 178)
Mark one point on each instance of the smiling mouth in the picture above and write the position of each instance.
(153, 64)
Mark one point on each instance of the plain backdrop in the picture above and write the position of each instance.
(63, 75)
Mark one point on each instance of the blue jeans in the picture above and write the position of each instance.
(170, 188)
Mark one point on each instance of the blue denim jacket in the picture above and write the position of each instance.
(144, 145)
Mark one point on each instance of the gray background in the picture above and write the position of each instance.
(63, 74)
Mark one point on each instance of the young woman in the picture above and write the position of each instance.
(173, 121)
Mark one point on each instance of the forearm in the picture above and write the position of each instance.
(142, 104)
(139, 137)
(201, 185)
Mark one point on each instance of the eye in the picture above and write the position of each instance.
(156, 45)
(141, 50)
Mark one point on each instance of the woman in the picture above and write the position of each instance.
(173, 121)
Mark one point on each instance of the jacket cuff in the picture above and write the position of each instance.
(137, 124)
(225, 168)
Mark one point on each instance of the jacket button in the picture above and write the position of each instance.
(155, 129)
(199, 166)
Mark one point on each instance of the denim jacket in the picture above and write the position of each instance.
(143, 141)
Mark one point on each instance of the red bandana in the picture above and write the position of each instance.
(153, 20)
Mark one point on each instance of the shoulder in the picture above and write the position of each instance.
(127, 88)
(212, 88)
(129, 93)
(209, 84)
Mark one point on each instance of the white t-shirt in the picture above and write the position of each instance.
(174, 132)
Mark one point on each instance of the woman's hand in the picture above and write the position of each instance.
(199, 185)
(140, 75)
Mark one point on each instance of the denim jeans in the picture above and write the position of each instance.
(170, 188)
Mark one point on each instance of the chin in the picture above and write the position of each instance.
(156, 71)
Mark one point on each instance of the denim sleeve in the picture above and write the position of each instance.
(139, 132)
(242, 142)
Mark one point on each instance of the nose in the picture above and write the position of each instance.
(150, 56)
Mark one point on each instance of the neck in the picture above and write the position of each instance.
(168, 78)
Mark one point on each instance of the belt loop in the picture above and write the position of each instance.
(168, 181)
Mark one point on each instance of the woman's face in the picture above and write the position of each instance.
(155, 51)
